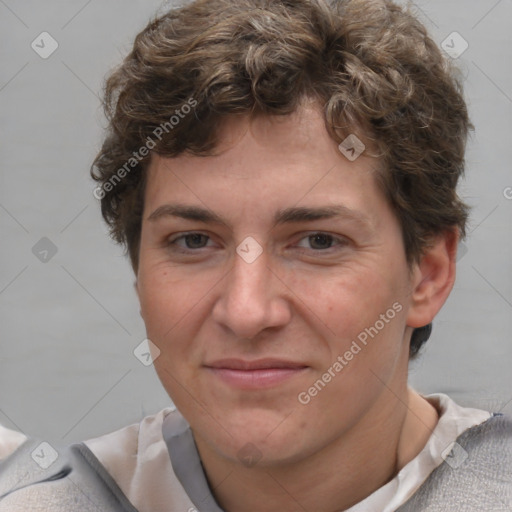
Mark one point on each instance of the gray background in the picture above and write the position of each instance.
(69, 325)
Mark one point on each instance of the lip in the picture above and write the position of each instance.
(258, 374)
(258, 364)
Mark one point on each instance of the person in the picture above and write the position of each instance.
(283, 176)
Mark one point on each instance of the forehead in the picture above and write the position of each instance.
(267, 162)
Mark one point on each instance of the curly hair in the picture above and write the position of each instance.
(370, 65)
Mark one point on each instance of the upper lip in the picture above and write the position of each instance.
(259, 364)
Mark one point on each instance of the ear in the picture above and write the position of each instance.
(433, 279)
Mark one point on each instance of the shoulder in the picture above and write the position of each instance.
(475, 475)
(498, 422)
(39, 476)
(116, 472)
(486, 449)
(36, 475)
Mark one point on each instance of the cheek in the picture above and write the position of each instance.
(169, 300)
(358, 316)
(343, 301)
(171, 307)
(366, 320)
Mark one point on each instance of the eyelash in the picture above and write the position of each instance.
(340, 242)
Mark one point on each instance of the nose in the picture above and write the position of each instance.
(253, 299)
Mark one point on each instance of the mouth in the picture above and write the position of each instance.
(259, 374)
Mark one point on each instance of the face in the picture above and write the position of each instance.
(273, 280)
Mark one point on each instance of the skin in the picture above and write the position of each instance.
(303, 300)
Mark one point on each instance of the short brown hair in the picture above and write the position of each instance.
(370, 65)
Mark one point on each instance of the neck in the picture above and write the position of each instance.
(343, 473)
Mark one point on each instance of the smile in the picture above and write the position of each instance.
(255, 374)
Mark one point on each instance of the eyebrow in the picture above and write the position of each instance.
(286, 216)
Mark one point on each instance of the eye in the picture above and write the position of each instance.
(322, 241)
(191, 240)
(316, 242)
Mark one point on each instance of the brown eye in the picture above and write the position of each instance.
(320, 241)
(188, 242)
(195, 240)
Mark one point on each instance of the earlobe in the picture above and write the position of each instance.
(433, 279)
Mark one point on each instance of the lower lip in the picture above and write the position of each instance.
(256, 379)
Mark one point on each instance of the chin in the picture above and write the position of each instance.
(265, 437)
